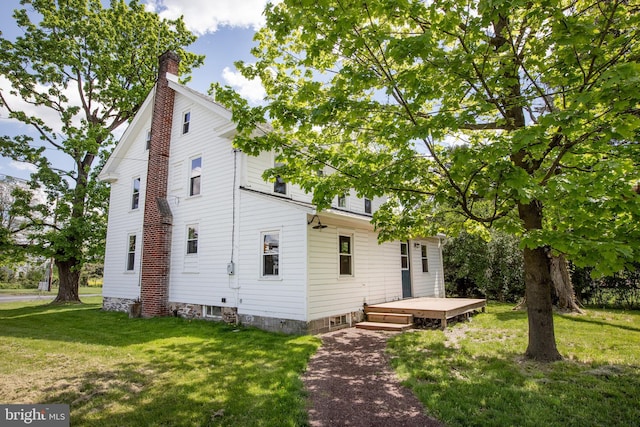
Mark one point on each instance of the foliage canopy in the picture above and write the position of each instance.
(80, 71)
(519, 115)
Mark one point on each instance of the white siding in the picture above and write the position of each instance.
(201, 278)
(123, 221)
(284, 297)
(376, 278)
(254, 167)
(431, 283)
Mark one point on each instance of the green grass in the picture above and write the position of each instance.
(82, 290)
(474, 374)
(113, 370)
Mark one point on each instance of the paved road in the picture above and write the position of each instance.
(44, 297)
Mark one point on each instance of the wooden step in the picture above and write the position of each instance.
(380, 326)
(390, 318)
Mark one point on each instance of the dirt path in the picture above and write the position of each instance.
(350, 383)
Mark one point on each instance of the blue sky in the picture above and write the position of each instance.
(225, 30)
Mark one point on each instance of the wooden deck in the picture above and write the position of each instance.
(442, 309)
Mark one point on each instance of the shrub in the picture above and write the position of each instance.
(476, 268)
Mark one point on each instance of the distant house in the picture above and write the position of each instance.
(195, 231)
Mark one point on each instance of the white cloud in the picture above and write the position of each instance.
(205, 16)
(23, 166)
(50, 117)
(251, 90)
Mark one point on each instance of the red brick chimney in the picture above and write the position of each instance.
(158, 220)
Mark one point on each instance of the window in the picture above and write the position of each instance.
(425, 259)
(186, 120)
(404, 256)
(131, 253)
(279, 186)
(342, 201)
(192, 239)
(212, 311)
(270, 253)
(135, 194)
(148, 139)
(367, 206)
(346, 255)
(194, 176)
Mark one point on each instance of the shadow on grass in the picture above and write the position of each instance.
(584, 319)
(164, 371)
(464, 388)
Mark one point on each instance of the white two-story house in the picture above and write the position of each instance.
(194, 230)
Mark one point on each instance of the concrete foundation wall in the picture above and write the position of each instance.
(230, 315)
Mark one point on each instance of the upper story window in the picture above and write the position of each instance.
(192, 239)
(148, 139)
(270, 256)
(131, 252)
(367, 205)
(425, 259)
(135, 194)
(195, 176)
(346, 255)
(342, 201)
(279, 186)
(186, 121)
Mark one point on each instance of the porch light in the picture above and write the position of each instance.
(319, 226)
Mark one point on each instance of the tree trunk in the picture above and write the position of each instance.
(562, 285)
(69, 276)
(537, 277)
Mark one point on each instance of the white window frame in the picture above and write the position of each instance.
(211, 311)
(404, 256)
(424, 257)
(148, 140)
(189, 227)
(135, 195)
(186, 122)
(370, 210)
(192, 176)
(350, 254)
(280, 181)
(342, 201)
(264, 253)
(129, 261)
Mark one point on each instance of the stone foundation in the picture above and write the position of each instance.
(301, 327)
(230, 315)
(117, 304)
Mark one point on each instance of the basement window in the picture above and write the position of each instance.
(211, 311)
(338, 320)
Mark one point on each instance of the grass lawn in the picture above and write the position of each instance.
(473, 374)
(113, 370)
(82, 290)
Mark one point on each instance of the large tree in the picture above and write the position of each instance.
(92, 67)
(539, 99)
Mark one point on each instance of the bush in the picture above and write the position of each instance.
(622, 290)
(476, 268)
